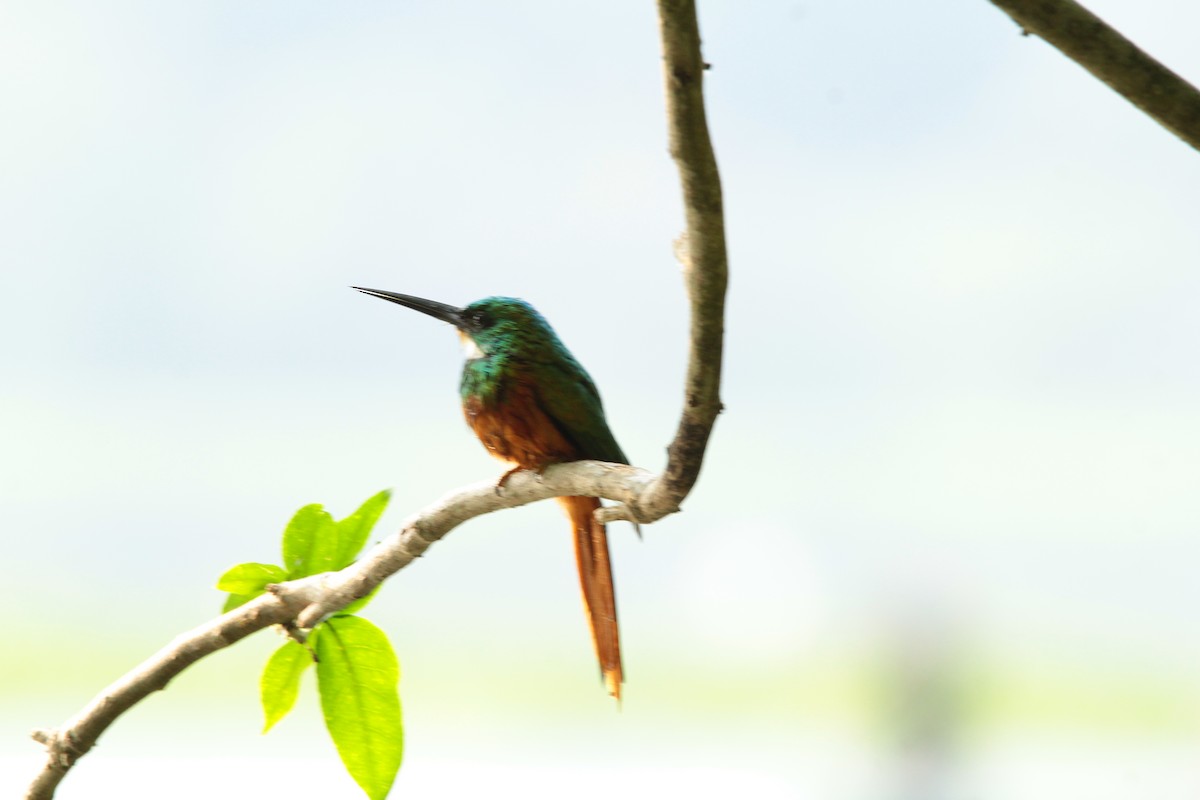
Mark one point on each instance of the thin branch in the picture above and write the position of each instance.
(701, 250)
(1101, 50)
(310, 600)
(590, 478)
(74, 738)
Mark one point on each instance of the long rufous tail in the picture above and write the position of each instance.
(595, 578)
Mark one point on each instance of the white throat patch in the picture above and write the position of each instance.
(470, 349)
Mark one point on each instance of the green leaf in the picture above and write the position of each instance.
(280, 682)
(250, 578)
(235, 600)
(309, 542)
(358, 674)
(354, 529)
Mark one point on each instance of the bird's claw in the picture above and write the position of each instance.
(500, 484)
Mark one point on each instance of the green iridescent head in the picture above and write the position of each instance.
(494, 323)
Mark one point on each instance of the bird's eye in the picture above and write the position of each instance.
(480, 319)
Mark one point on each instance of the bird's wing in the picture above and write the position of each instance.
(566, 394)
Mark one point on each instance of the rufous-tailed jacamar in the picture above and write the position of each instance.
(532, 404)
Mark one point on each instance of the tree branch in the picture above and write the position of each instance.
(641, 495)
(701, 250)
(310, 600)
(1101, 50)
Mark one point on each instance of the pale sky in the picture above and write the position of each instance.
(962, 385)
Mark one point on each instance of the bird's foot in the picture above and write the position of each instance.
(504, 479)
(500, 484)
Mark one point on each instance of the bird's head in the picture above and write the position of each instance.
(486, 326)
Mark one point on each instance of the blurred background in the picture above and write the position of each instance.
(944, 543)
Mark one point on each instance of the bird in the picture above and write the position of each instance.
(532, 404)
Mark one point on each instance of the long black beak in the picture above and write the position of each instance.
(431, 307)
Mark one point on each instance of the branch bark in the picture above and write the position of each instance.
(701, 252)
(640, 495)
(1101, 50)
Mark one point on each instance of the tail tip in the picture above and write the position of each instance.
(612, 682)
